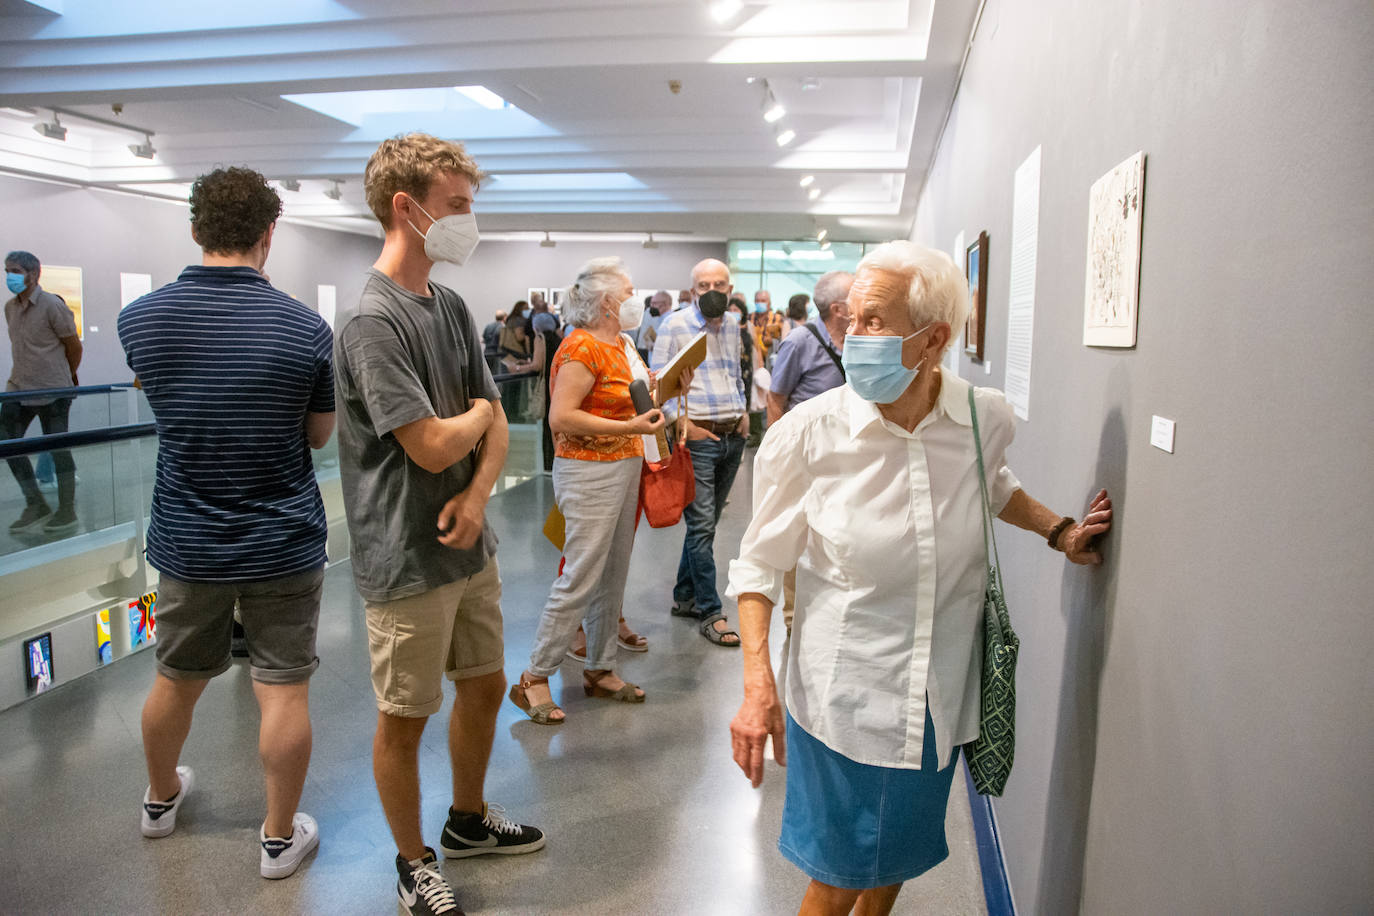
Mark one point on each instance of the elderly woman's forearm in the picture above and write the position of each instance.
(755, 615)
(1024, 511)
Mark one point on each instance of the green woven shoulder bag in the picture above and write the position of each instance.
(990, 757)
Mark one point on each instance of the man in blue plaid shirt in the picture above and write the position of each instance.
(716, 424)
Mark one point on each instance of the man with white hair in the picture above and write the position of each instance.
(715, 425)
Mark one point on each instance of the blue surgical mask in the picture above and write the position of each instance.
(760, 307)
(16, 282)
(873, 366)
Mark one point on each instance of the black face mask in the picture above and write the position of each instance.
(712, 303)
(653, 311)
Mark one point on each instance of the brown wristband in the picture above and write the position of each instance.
(1065, 523)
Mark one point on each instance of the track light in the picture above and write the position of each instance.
(53, 129)
(786, 137)
(724, 10)
(814, 193)
(143, 150)
(820, 236)
(774, 113)
(548, 242)
(825, 246)
(290, 184)
(649, 242)
(335, 192)
(806, 180)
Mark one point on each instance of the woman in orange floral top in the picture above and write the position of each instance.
(597, 459)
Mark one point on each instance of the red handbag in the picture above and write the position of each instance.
(668, 487)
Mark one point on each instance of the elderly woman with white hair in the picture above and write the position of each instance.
(597, 458)
(872, 491)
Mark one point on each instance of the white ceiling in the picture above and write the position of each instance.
(593, 140)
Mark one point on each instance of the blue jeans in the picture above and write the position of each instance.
(714, 464)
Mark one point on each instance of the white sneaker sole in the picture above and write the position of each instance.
(467, 852)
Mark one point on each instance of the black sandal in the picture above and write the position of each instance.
(719, 637)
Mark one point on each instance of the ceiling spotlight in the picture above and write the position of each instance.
(825, 246)
(53, 129)
(335, 192)
(786, 137)
(820, 236)
(806, 180)
(290, 184)
(649, 242)
(774, 113)
(143, 150)
(810, 83)
(814, 193)
(548, 242)
(723, 10)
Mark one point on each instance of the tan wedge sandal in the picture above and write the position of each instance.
(627, 693)
(542, 714)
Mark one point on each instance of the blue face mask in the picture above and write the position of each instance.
(760, 307)
(873, 366)
(16, 282)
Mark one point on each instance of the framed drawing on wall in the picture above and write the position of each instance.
(556, 300)
(976, 270)
(1111, 289)
(542, 291)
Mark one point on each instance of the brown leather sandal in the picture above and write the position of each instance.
(542, 714)
(627, 692)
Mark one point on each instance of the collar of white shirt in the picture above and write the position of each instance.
(953, 402)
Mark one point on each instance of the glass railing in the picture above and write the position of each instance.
(81, 591)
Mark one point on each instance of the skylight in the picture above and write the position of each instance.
(483, 96)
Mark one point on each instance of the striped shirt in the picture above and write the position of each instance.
(231, 366)
(717, 391)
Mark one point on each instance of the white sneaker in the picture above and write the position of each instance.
(160, 818)
(281, 857)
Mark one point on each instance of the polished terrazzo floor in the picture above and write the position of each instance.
(645, 811)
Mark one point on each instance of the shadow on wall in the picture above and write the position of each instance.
(1089, 602)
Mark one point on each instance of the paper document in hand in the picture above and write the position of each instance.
(670, 376)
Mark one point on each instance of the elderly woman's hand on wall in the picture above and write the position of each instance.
(1079, 542)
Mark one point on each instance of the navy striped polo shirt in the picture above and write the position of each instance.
(230, 367)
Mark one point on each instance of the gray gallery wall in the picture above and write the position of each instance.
(1195, 720)
(107, 233)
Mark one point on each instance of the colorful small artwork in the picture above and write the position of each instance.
(143, 620)
(65, 282)
(38, 663)
(104, 652)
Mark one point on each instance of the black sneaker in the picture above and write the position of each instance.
(423, 891)
(32, 515)
(62, 524)
(490, 832)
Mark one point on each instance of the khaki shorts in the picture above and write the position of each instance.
(280, 616)
(452, 630)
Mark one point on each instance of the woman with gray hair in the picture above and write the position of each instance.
(596, 467)
(872, 491)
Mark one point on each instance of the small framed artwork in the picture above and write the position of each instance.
(38, 663)
(556, 300)
(976, 270)
(543, 292)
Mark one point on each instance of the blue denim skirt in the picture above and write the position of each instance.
(854, 825)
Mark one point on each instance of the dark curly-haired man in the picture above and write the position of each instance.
(240, 379)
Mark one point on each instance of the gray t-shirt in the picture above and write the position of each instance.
(398, 358)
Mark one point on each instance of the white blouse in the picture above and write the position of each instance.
(885, 530)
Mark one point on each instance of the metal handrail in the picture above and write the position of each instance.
(54, 393)
(13, 448)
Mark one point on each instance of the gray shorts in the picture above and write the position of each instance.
(194, 622)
